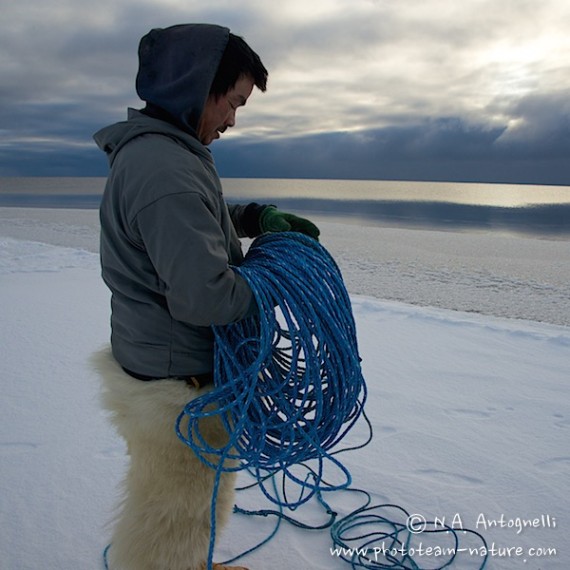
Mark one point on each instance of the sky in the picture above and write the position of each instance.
(476, 90)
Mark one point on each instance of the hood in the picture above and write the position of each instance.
(176, 68)
(114, 137)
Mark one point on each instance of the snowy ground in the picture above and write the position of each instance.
(471, 412)
(487, 273)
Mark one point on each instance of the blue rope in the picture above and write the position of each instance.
(288, 382)
(288, 388)
(106, 556)
(383, 541)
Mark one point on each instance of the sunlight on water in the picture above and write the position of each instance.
(501, 195)
(542, 211)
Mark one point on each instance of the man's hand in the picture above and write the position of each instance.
(274, 220)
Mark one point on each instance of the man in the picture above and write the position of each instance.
(168, 244)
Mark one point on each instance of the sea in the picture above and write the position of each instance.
(532, 210)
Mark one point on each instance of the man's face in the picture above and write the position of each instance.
(219, 114)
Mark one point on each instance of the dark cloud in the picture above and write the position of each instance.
(440, 149)
(444, 149)
(543, 119)
(421, 90)
(51, 159)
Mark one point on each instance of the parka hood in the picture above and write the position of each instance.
(176, 68)
(112, 138)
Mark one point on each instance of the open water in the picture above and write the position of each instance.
(542, 211)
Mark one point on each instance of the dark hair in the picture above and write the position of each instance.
(238, 59)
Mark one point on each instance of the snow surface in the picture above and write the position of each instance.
(470, 413)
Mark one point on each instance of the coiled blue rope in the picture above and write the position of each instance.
(288, 382)
(288, 387)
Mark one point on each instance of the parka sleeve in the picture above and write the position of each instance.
(245, 218)
(186, 246)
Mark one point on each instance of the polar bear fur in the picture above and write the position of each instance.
(163, 521)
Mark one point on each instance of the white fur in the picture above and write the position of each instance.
(164, 518)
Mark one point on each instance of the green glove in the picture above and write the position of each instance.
(274, 220)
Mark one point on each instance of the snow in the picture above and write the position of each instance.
(470, 411)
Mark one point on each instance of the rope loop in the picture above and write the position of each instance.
(288, 388)
(288, 382)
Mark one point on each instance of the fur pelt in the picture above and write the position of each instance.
(163, 522)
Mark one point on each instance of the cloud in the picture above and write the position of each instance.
(441, 149)
(542, 119)
(419, 81)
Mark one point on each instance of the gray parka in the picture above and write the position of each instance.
(168, 238)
